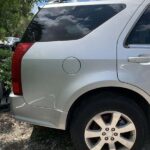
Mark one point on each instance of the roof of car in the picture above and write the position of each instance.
(91, 2)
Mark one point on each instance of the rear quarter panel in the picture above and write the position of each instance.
(44, 82)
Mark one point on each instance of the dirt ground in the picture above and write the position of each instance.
(16, 135)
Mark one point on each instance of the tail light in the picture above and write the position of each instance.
(20, 51)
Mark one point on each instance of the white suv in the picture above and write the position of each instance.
(11, 41)
(85, 67)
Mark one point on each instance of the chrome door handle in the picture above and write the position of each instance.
(139, 59)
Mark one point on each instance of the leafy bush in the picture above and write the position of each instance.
(5, 68)
(4, 53)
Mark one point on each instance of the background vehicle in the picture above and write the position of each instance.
(11, 41)
(85, 67)
(2, 43)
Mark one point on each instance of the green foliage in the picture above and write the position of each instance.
(4, 54)
(5, 68)
(14, 16)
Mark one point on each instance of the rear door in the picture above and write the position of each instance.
(133, 50)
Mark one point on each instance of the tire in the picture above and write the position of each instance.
(87, 117)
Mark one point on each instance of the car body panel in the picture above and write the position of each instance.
(54, 117)
(48, 89)
(133, 73)
(43, 77)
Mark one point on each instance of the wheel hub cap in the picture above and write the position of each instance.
(110, 131)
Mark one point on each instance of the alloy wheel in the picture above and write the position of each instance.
(110, 130)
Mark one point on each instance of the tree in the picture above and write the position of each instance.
(15, 15)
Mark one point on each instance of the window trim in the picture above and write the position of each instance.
(145, 46)
(125, 45)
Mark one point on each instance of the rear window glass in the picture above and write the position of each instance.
(68, 23)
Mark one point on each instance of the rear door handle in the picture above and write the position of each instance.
(140, 59)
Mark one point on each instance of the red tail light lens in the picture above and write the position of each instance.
(20, 51)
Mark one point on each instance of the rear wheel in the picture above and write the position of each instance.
(109, 123)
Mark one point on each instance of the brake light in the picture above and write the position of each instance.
(20, 51)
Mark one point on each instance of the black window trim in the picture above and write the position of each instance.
(137, 46)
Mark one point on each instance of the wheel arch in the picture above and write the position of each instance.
(138, 96)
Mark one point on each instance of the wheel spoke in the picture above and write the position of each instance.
(98, 146)
(115, 118)
(99, 121)
(105, 130)
(112, 146)
(127, 128)
(127, 143)
(92, 133)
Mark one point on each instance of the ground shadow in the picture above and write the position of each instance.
(50, 139)
(42, 139)
(15, 145)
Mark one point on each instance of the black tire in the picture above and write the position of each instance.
(101, 103)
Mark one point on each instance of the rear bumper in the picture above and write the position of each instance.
(52, 118)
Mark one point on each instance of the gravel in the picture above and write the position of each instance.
(17, 135)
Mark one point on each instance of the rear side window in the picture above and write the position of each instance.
(141, 32)
(68, 23)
